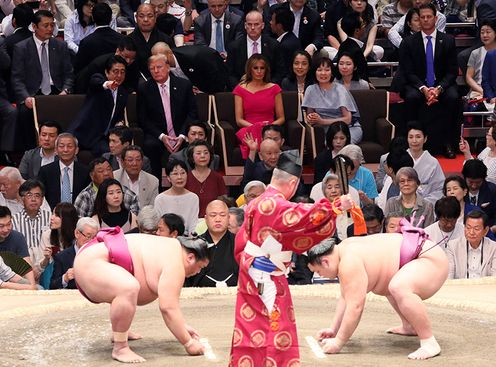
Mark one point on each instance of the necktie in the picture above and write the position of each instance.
(429, 61)
(65, 194)
(45, 70)
(473, 200)
(254, 49)
(167, 110)
(219, 38)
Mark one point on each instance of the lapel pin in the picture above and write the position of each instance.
(228, 26)
(305, 20)
(191, 70)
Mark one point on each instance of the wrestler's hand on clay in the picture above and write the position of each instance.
(326, 333)
(331, 346)
(194, 348)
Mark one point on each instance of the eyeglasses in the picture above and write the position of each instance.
(87, 236)
(31, 195)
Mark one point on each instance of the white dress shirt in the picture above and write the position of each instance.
(71, 174)
(38, 43)
(249, 45)
(213, 42)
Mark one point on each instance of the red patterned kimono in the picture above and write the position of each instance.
(260, 338)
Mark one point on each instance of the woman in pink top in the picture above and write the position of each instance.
(257, 101)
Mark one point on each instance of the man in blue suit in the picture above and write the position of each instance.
(63, 274)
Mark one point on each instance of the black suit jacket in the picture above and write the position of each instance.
(100, 42)
(289, 45)
(204, 67)
(19, 35)
(238, 55)
(26, 68)
(128, 7)
(93, 120)
(50, 176)
(4, 69)
(144, 48)
(310, 26)
(62, 262)
(412, 60)
(98, 66)
(151, 114)
(233, 28)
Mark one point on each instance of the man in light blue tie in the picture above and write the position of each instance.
(217, 27)
(64, 178)
(428, 61)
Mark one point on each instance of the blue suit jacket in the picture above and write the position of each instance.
(489, 75)
(62, 262)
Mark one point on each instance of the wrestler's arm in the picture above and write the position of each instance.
(169, 288)
(353, 279)
(336, 322)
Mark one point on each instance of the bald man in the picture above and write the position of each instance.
(141, 269)
(223, 269)
(406, 272)
(261, 170)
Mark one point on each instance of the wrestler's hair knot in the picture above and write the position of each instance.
(196, 245)
(323, 248)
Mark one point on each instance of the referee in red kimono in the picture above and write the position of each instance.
(265, 329)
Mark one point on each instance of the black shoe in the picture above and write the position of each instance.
(448, 152)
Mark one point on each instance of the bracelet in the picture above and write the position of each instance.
(188, 12)
(189, 343)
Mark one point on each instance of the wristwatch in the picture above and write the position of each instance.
(440, 89)
(188, 12)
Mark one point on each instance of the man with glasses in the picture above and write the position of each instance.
(472, 255)
(32, 221)
(131, 175)
(63, 274)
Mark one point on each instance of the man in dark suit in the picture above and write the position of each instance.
(127, 50)
(43, 154)
(428, 59)
(307, 25)
(201, 65)
(8, 113)
(217, 27)
(128, 8)
(282, 24)
(165, 105)
(481, 193)
(63, 274)
(40, 65)
(103, 107)
(254, 42)
(102, 41)
(65, 178)
(145, 35)
(22, 17)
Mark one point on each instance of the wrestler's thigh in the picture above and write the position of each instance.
(422, 276)
(103, 281)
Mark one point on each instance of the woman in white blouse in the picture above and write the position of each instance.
(488, 155)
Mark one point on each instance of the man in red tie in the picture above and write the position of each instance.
(165, 105)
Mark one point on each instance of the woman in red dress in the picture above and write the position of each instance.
(257, 101)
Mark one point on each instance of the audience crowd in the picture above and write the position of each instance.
(98, 172)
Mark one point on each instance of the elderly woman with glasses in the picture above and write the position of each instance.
(410, 202)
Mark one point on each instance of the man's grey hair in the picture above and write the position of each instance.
(252, 184)
(87, 221)
(66, 135)
(11, 173)
(408, 172)
(354, 152)
(239, 214)
(148, 219)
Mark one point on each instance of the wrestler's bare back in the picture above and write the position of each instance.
(380, 255)
(150, 255)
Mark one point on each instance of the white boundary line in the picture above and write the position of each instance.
(315, 347)
(209, 352)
